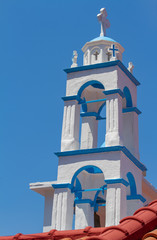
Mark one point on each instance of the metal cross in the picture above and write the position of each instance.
(96, 55)
(104, 22)
(108, 55)
(114, 50)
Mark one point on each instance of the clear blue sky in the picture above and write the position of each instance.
(37, 38)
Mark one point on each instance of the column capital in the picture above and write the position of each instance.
(114, 91)
(117, 181)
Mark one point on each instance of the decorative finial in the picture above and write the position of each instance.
(74, 59)
(130, 67)
(104, 22)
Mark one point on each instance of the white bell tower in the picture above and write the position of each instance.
(96, 186)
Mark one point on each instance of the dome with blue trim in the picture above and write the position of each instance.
(103, 38)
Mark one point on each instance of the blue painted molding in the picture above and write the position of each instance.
(69, 98)
(92, 114)
(136, 197)
(89, 114)
(102, 65)
(131, 109)
(81, 201)
(113, 91)
(117, 180)
(134, 160)
(91, 189)
(102, 150)
(62, 185)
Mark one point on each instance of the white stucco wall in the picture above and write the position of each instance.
(107, 76)
(108, 162)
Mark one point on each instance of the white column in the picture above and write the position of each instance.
(63, 209)
(113, 120)
(84, 215)
(48, 211)
(71, 125)
(89, 132)
(116, 208)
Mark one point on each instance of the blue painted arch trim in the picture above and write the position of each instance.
(93, 83)
(103, 65)
(128, 97)
(86, 168)
(132, 183)
(102, 150)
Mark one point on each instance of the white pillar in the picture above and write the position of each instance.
(48, 211)
(63, 209)
(116, 208)
(89, 132)
(113, 120)
(71, 125)
(84, 215)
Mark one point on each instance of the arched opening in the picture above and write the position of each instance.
(127, 100)
(102, 126)
(90, 196)
(93, 102)
(100, 209)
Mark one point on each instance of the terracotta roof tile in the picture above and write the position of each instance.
(151, 235)
(133, 227)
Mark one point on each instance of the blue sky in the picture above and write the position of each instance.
(37, 38)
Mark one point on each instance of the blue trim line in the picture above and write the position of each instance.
(102, 150)
(81, 201)
(101, 205)
(89, 114)
(92, 114)
(102, 65)
(113, 91)
(131, 109)
(68, 98)
(62, 185)
(91, 189)
(136, 197)
(117, 180)
(97, 100)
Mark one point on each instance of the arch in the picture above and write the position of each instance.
(128, 97)
(132, 183)
(78, 186)
(93, 83)
(89, 168)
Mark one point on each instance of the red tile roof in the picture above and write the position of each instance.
(134, 227)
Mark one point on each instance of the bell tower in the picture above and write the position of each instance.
(96, 186)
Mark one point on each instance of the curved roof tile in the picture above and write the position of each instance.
(134, 227)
